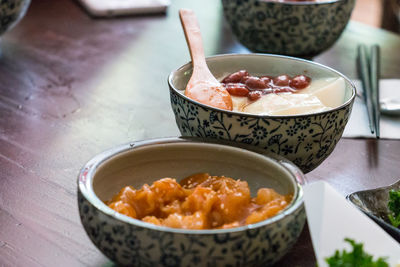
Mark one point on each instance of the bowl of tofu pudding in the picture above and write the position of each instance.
(291, 107)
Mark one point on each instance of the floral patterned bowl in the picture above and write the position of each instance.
(288, 28)
(11, 12)
(128, 241)
(306, 140)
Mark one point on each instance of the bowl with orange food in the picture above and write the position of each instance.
(191, 201)
(292, 107)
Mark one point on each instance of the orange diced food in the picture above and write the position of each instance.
(123, 208)
(196, 221)
(202, 199)
(265, 195)
(199, 201)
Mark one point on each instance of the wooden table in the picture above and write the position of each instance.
(72, 86)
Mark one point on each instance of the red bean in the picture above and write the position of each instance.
(237, 89)
(255, 83)
(254, 95)
(300, 82)
(282, 80)
(235, 77)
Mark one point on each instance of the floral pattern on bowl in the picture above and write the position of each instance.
(11, 11)
(374, 203)
(298, 29)
(304, 140)
(131, 245)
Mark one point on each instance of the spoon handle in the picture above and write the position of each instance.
(193, 36)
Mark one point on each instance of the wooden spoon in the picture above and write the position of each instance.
(202, 86)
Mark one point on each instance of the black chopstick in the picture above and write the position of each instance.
(374, 76)
(364, 73)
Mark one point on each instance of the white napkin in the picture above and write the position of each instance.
(331, 219)
(358, 126)
(110, 8)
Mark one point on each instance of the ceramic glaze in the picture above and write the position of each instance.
(374, 203)
(287, 28)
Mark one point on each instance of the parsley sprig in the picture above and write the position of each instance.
(355, 258)
(394, 207)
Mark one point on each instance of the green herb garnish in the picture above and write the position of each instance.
(394, 207)
(355, 258)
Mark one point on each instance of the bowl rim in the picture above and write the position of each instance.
(85, 183)
(236, 113)
(305, 3)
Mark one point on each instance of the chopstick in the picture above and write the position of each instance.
(369, 71)
(374, 75)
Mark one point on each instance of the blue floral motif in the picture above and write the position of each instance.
(303, 123)
(132, 242)
(170, 260)
(259, 132)
(292, 130)
(221, 238)
(301, 137)
(287, 149)
(308, 147)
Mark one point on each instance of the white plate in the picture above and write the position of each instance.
(331, 219)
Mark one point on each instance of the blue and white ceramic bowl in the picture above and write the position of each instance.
(288, 28)
(306, 140)
(11, 12)
(128, 241)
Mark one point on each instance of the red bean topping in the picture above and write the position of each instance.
(241, 83)
(235, 77)
(237, 89)
(282, 80)
(254, 95)
(255, 83)
(300, 82)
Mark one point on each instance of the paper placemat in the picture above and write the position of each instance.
(358, 126)
(111, 8)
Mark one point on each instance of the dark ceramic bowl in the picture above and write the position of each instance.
(288, 28)
(128, 241)
(374, 203)
(11, 12)
(306, 140)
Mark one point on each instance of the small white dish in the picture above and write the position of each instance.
(331, 219)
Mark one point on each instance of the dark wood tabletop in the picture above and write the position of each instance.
(72, 86)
